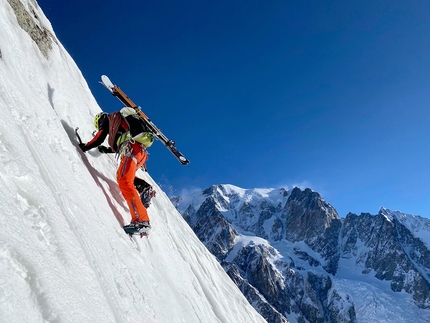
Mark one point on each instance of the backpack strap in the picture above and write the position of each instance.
(115, 120)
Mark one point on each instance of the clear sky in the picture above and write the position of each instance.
(331, 95)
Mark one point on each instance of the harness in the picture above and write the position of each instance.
(125, 142)
(126, 149)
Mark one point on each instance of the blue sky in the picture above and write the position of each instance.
(330, 95)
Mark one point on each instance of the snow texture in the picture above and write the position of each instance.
(63, 254)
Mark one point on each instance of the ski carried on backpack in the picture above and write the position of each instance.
(170, 144)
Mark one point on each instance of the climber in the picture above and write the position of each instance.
(129, 138)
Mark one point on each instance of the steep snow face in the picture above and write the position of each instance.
(418, 225)
(63, 254)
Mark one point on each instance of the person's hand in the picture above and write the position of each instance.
(104, 149)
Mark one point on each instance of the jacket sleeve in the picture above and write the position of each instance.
(97, 139)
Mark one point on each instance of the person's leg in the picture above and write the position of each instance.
(125, 178)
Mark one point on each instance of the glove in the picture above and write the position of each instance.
(104, 149)
(83, 147)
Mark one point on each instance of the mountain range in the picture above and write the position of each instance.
(297, 260)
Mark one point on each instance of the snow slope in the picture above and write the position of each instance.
(63, 254)
(419, 226)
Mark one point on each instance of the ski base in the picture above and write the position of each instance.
(120, 95)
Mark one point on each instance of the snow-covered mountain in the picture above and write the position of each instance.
(63, 254)
(296, 260)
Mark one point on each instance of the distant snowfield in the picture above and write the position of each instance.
(63, 254)
(373, 299)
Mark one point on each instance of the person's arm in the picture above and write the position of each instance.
(96, 141)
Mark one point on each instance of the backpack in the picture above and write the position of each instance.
(137, 129)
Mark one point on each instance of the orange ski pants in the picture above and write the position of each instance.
(125, 177)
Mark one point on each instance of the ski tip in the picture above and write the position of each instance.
(105, 79)
(106, 82)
